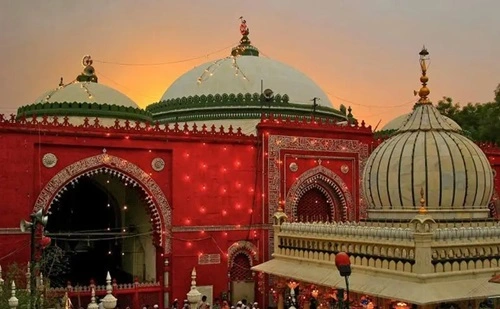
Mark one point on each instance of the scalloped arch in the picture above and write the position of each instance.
(307, 181)
(159, 208)
(245, 247)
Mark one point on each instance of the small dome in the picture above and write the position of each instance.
(398, 122)
(85, 98)
(427, 154)
(247, 74)
(86, 92)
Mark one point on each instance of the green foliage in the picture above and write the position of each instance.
(479, 121)
(18, 274)
(55, 265)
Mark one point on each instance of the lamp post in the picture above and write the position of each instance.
(38, 217)
(343, 264)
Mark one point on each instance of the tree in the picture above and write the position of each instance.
(480, 121)
(55, 265)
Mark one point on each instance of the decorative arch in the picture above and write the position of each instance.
(242, 247)
(309, 179)
(158, 207)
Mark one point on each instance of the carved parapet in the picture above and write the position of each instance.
(423, 223)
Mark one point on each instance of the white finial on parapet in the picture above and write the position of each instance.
(13, 301)
(109, 301)
(194, 296)
(93, 304)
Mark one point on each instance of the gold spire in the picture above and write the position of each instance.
(422, 209)
(424, 92)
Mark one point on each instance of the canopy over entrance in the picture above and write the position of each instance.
(413, 290)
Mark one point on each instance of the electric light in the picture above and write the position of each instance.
(250, 211)
(125, 207)
(224, 212)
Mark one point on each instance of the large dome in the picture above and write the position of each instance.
(428, 154)
(245, 74)
(236, 90)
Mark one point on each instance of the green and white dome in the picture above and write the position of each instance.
(85, 98)
(236, 90)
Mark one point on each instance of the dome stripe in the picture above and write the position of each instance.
(379, 165)
(465, 171)
(412, 189)
(475, 175)
(409, 135)
(368, 173)
(390, 160)
(453, 176)
(479, 156)
(440, 169)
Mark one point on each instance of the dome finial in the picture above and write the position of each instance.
(245, 48)
(424, 92)
(88, 74)
(422, 209)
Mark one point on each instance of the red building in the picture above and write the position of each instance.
(191, 181)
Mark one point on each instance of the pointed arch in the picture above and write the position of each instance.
(158, 207)
(309, 180)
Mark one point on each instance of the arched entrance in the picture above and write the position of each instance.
(107, 210)
(241, 258)
(319, 195)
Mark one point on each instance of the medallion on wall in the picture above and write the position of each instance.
(49, 160)
(344, 169)
(294, 167)
(158, 164)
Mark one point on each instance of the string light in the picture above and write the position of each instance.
(212, 68)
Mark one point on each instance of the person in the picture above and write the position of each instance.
(216, 304)
(204, 304)
(175, 304)
(225, 305)
(244, 304)
(186, 304)
(255, 305)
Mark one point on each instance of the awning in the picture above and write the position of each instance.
(418, 292)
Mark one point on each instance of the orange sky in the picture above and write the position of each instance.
(362, 53)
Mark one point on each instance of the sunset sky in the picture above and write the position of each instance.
(363, 53)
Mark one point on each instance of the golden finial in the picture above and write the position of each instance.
(422, 209)
(424, 92)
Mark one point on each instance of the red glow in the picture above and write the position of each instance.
(237, 164)
(238, 185)
(237, 206)
(224, 212)
(202, 232)
(342, 259)
(187, 221)
(127, 137)
(189, 244)
(203, 188)
(107, 134)
(224, 233)
(203, 210)
(250, 211)
(186, 177)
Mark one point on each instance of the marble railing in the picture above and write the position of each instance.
(391, 245)
(390, 248)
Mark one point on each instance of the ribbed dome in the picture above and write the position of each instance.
(427, 153)
(399, 121)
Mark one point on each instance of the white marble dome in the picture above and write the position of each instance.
(243, 74)
(86, 92)
(427, 153)
(398, 122)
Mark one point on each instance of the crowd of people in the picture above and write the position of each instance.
(203, 304)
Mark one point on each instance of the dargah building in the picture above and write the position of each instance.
(245, 171)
